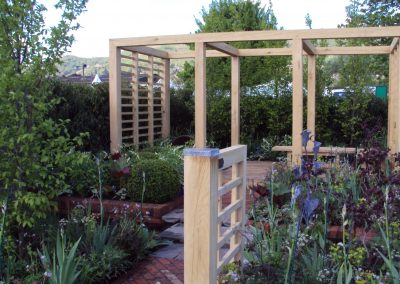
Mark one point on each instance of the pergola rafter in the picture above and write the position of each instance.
(299, 47)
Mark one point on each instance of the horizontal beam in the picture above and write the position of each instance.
(242, 52)
(370, 32)
(148, 51)
(350, 50)
(333, 50)
(224, 48)
(265, 51)
(309, 47)
(394, 44)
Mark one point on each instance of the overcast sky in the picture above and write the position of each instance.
(105, 19)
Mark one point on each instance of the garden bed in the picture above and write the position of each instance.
(152, 213)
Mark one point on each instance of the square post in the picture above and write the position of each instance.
(235, 100)
(396, 99)
(200, 95)
(311, 84)
(115, 98)
(391, 101)
(297, 100)
(200, 214)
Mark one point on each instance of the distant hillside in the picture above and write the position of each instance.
(73, 64)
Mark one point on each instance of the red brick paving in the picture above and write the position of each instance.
(154, 270)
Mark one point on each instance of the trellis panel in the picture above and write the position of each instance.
(143, 110)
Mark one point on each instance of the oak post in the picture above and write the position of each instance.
(165, 99)
(200, 214)
(115, 98)
(200, 95)
(297, 99)
(235, 100)
(396, 97)
(311, 82)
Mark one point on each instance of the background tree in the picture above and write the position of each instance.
(240, 15)
(36, 153)
(358, 73)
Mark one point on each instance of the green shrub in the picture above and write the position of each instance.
(83, 175)
(102, 266)
(161, 181)
(87, 109)
(147, 155)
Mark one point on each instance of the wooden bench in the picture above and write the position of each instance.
(323, 151)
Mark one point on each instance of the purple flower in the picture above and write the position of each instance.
(310, 204)
(296, 194)
(316, 148)
(305, 136)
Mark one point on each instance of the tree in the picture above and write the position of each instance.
(359, 72)
(240, 15)
(36, 153)
(308, 21)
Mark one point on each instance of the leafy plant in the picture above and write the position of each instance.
(62, 267)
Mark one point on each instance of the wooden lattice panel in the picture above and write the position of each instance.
(144, 98)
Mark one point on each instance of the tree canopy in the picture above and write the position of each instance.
(239, 15)
(33, 148)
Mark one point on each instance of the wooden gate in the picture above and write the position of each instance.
(208, 244)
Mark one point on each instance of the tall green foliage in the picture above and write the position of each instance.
(359, 72)
(239, 15)
(87, 109)
(36, 153)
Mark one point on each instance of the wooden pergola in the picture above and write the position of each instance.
(139, 113)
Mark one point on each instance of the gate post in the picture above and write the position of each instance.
(200, 215)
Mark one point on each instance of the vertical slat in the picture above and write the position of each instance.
(200, 214)
(311, 95)
(239, 193)
(235, 101)
(243, 216)
(135, 96)
(297, 99)
(200, 95)
(150, 96)
(165, 99)
(115, 98)
(219, 225)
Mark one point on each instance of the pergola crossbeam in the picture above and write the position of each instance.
(224, 48)
(309, 48)
(246, 52)
(394, 44)
(370, 32)
(148, 51)
(352, 50)
(283, 51)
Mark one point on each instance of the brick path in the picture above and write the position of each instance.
(154, 270)
(169, 270)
